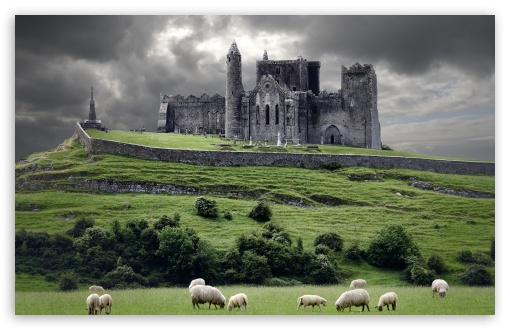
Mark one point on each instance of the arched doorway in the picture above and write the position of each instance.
(332, 135)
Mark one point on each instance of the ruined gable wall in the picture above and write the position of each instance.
(205, 114)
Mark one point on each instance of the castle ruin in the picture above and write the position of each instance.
(286, 101)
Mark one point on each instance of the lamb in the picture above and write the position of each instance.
(96, 288)
(439, 286)
(311, 300)
(201, 294)
(239, 300)
(105, 301)
(356, 297)
(387, 299)
(197, 281)
(93, 304)
(359, 283)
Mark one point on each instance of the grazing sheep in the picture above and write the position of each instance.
(105, 301)
(197, 281)
(356, 297)
(96, 288)
(201, 294)
(93, 304)
(387, 299)
(357, 284)
(239, 300)
(439, 286)
(311, 300)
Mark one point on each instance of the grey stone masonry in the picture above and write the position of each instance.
(240, 158)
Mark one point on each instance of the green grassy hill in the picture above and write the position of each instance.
(351, 201)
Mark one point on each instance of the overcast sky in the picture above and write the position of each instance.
(435, 74)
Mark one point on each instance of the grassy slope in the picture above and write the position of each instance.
(439, 223)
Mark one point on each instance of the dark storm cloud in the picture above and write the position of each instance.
(410, 44)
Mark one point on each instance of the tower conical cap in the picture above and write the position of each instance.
(233, 48)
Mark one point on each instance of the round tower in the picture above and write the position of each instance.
(234, 93)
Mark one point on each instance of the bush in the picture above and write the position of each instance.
(80, 226)
(276, 281)
(206, 207)
(436, 263)
(354, 252)
(227, 215)
(331, 240)
(68, 282)
(476, 275)
(391, 248)
(261, 212)
(166, 221)
(322, 249)
(465, 256)
(421, 275)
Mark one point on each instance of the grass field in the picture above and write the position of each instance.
(438, 223)
(263, 301)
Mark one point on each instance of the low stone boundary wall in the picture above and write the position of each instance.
(240, 158)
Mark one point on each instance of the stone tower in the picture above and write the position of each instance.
(92, 111)
(234, 93)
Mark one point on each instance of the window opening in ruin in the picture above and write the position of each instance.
(294, 88)
(277, 70)
(314, 115)
(257, 116)
(277, 115)
(278, 81)
(332, 139)
(229, 58)
(267, 114)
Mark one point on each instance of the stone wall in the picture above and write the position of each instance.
(239, 158)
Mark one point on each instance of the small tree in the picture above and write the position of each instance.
(331, 240)
(391, 248)
(261, 212)
(206, 207)
(436, 263)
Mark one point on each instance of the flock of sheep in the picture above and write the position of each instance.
(96, 303)
(201, 294)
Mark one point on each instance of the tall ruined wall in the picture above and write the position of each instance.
(359, 90)
(204, 115)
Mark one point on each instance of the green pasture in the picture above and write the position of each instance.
(460, 300)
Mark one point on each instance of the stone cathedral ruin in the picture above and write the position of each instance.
(286, 102)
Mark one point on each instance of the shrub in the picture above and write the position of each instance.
(476, 275)
(331, 240)
(436, 263)
(391, 248)
(421, 275)
(166, 221)
(465, 256)
(261, 212)
(354, 252)
(206, 207)
(68, 282)
(322, 249)
(80, 226)
(255, 268)
(227, 215)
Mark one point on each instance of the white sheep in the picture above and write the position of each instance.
(93, 304)
(239, 300)
(197, 281)
(201, 294)
(387, 299)
(311, 300)
(439, 286)
(105, 302)
(96, 288)
(356, 297)
(357, 284)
